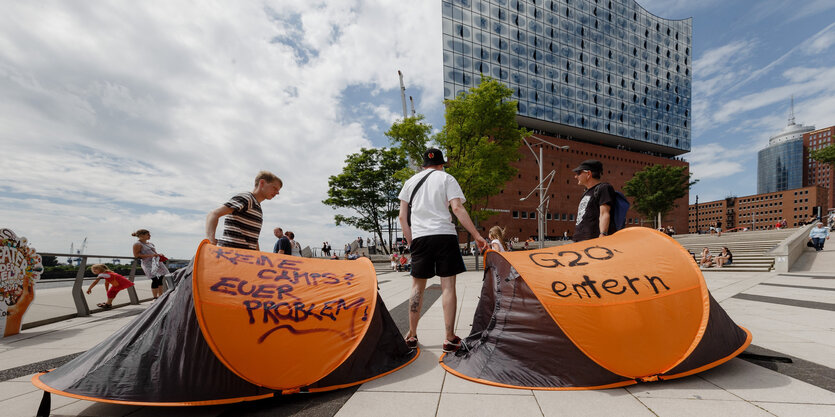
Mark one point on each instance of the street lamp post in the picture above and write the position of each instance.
(542, 188)
(697, 214)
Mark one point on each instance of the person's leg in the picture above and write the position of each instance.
(449, 300)
(818, 243)
(415, 304)
(155, 284)
(111, 295)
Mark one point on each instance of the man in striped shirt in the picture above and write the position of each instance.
(242, 224)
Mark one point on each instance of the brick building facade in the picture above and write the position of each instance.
(519, 217)
(760, 211)
(817, 173)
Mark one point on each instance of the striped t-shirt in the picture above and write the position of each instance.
(243, 225)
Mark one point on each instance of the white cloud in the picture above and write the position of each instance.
(814, 81)
(811, 7)
(122, 115)
(721, 58)
(714, 160)
(822, 40)
(386, 114)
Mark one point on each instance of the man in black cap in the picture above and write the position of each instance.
(595, 209)
(425, 201)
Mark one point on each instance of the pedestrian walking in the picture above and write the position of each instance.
(282, 245)
(425, 201)
(295, 247)
(497, 239)
(818, 235)
(151, 261)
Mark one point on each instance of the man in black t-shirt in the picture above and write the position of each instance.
(595, 209)
(282, 245)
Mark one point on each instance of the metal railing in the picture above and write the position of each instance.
(81, 306)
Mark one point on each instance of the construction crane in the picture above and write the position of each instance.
(77, 251)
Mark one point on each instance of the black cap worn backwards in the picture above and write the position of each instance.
(433, 156)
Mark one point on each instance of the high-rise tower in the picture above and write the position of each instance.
(780, 165)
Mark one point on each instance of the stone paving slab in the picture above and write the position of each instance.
(737, 388)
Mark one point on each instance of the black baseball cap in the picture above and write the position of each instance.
(592, 165)
(433, 156)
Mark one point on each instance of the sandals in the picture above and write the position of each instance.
(412, 342)
(105, 306)
(452, 346)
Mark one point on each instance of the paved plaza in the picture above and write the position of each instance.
(790, 315)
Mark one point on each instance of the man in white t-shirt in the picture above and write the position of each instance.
(433, 240)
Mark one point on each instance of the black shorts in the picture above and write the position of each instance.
(436, 255)
(156, 282)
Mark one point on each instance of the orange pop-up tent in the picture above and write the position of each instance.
(243, 325)
(601, 313)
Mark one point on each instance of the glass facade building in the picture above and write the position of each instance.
(606, 71)
(780, 167)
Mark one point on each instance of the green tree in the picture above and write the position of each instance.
(410, 136)
(825, 155)
(368, 187)
(657, 187)
(481, 139)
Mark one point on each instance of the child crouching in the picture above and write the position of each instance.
(113, 283)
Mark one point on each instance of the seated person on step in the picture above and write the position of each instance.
(724, 258)
(707, 260)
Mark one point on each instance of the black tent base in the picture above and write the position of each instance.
(162, 359)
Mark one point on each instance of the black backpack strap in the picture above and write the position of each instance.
(412, 198)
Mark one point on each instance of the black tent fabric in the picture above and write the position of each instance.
(162, 358)
(516, 343)
(510, 346)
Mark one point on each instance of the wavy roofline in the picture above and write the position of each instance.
(655, 15)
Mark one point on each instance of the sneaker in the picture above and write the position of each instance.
(453, 345)
(412, 342)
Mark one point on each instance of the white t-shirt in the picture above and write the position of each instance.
(430, 208)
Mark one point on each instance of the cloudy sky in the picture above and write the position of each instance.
(117, 115)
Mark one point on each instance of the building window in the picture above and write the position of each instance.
(515, 214)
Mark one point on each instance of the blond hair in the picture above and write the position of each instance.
(497, 232)
(140, 232)
(101, 267)
(268, 177)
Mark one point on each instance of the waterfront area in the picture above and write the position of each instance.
(789, 315)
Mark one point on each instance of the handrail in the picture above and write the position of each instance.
(77, 255)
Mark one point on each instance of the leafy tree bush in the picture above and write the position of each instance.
(368, 187)
(657, 187)
(481, 139)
